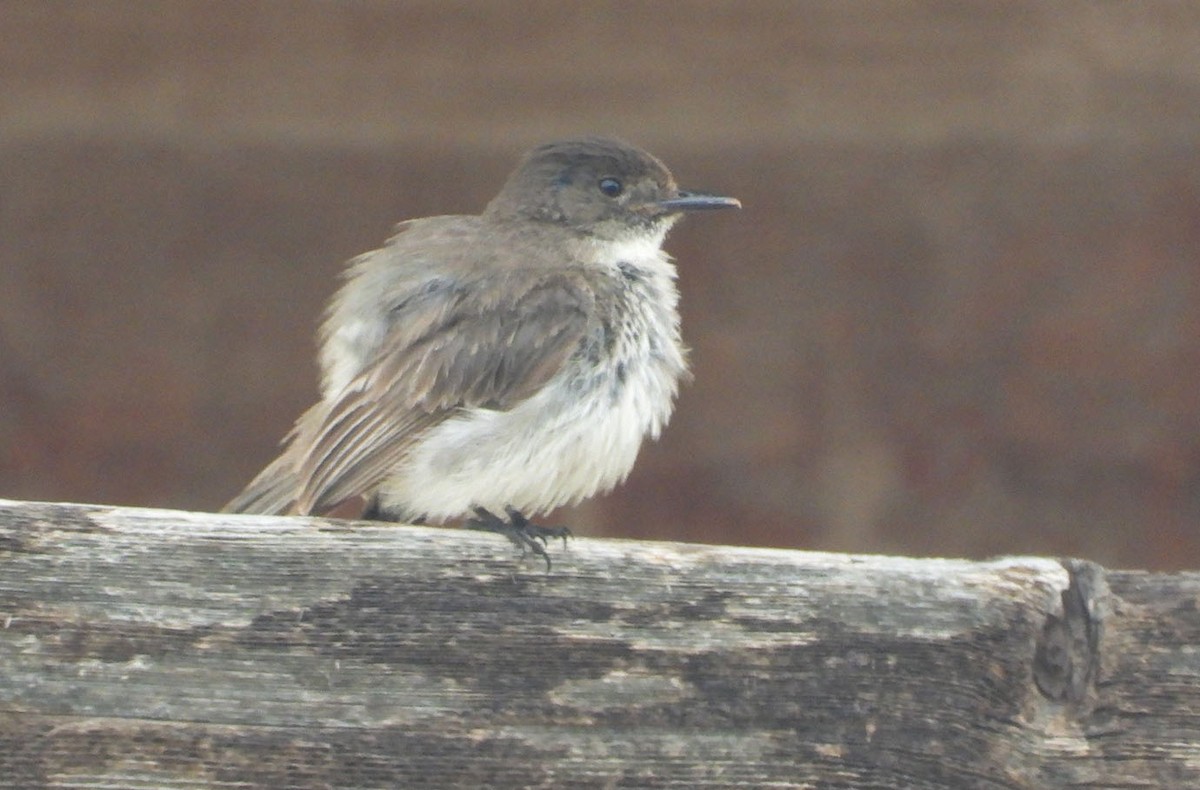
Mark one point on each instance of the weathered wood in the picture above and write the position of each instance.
(150, 648)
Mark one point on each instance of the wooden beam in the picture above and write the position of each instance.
(154, 648)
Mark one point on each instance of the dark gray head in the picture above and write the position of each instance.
(598, 187)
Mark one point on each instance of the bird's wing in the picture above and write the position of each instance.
(492, 345)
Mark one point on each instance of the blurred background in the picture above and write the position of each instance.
(959, 315)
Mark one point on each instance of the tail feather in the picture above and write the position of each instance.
(272, 492)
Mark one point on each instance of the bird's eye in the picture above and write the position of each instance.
(611, 187)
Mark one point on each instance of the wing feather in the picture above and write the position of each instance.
(490, 345)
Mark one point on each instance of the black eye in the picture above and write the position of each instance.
(611, 187)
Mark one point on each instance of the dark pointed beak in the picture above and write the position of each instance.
(686, 200)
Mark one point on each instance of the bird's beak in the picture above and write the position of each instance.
(686, 200)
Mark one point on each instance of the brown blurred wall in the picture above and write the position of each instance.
(960, 313)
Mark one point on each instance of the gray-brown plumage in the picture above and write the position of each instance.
(507, 362)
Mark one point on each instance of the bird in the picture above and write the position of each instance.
(490, 368)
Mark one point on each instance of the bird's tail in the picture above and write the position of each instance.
(272, 492)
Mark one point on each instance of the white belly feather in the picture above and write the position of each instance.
(554, 449)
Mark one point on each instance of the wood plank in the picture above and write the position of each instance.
(154, 648)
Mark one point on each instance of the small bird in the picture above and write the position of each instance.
(495, 367)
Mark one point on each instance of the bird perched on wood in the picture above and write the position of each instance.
(494, 367)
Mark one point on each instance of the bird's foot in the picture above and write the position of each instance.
(524, 535)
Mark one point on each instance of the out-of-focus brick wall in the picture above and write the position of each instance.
(960, 313)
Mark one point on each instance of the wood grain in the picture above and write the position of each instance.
(153, 648)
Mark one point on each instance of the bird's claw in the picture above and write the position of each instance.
(520, 531)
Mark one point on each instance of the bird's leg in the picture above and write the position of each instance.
(518, 529)
(374, 511)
